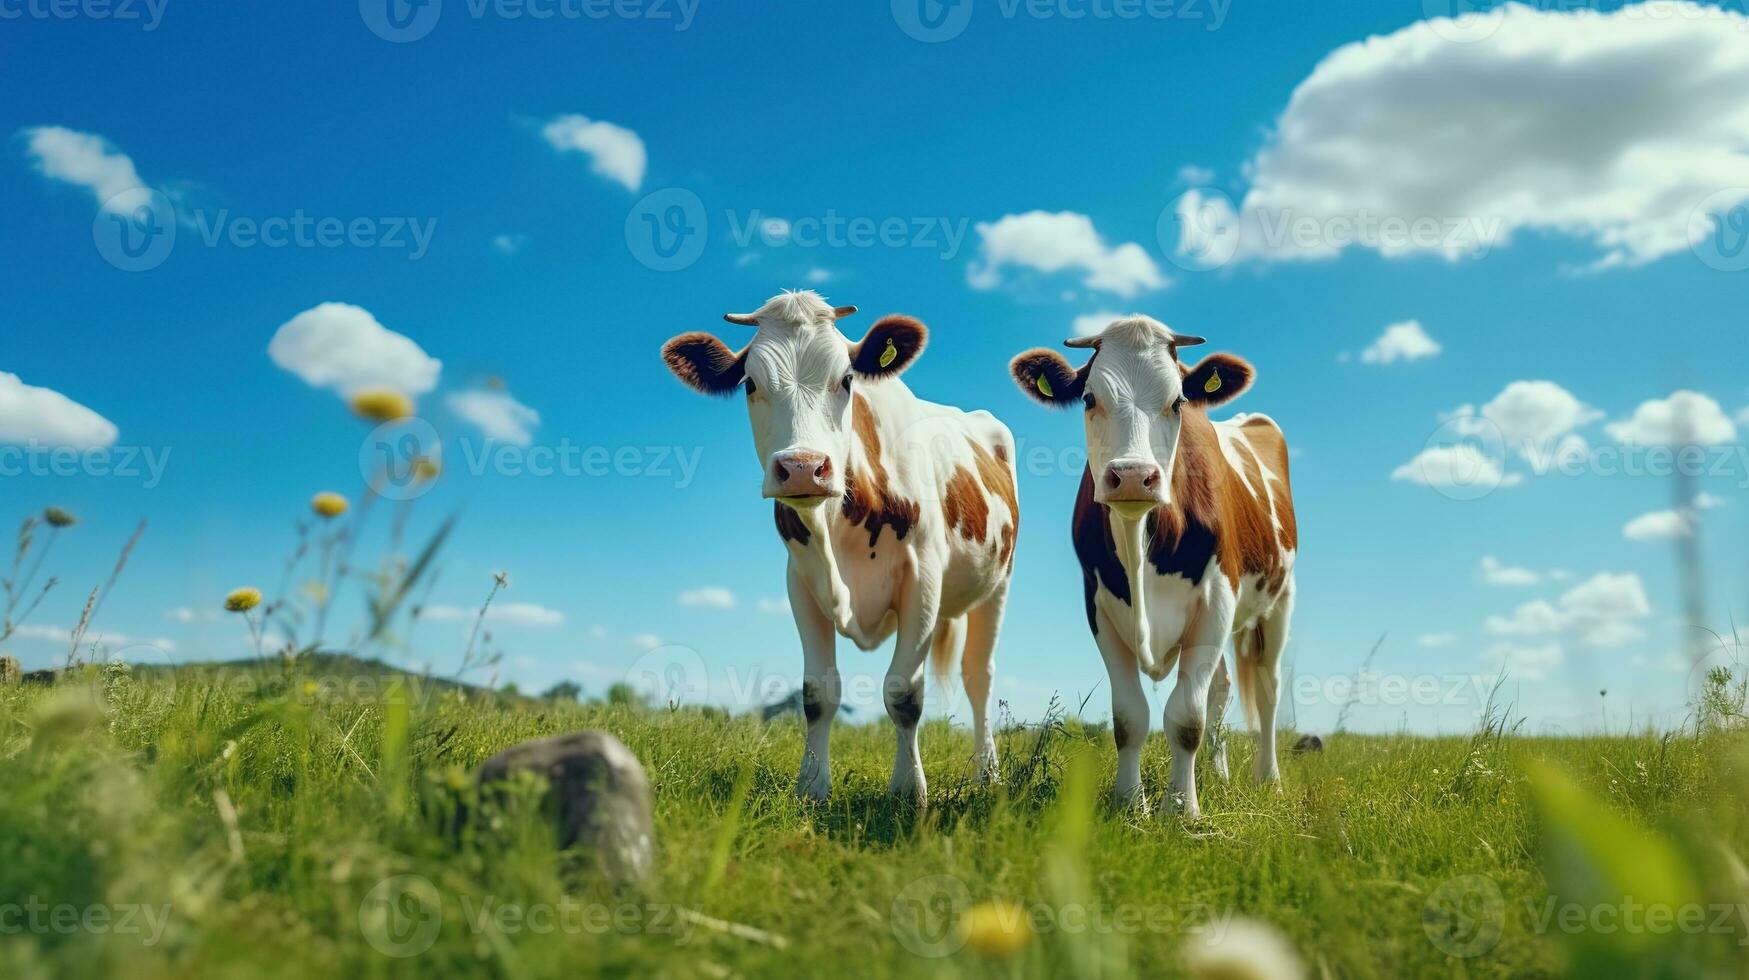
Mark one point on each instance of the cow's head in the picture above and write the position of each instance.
(797, 374)
(1134, 393)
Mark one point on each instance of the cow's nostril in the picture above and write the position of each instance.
(1151, 479)
(781, 473)
(824, 470)
(1112, 480)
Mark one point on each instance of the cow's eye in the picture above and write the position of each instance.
(1090, 401)
(752, 388)
(1178, 406)
(844, 385)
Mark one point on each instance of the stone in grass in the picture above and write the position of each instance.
(597, 796)
(1308, 743)
(10, 672)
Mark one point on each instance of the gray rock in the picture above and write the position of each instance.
(598, 797)
(1308, 743)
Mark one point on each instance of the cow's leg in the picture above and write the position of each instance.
(1219, 691)
(1186, 712)
(1129, 711)
(978, 669)
(1266, 684)
(821, 688)
(903, 690)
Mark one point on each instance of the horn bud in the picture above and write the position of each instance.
(744, 319)
(840, 312)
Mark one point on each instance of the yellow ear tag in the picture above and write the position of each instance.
(1044, 387)
(889, 355)
(1213, 384)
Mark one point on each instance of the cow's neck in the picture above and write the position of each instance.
(1131, 536)
(818, 562)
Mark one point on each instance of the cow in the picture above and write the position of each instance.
(1184, 528)
(899, 516)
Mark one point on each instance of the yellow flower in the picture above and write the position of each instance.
(426, 468)
(56, 517)
(243, 600)
(996, 928)
(382, 405)
(328, 504)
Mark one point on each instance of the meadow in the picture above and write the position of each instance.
(296, 817)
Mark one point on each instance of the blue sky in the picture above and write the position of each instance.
(488, 178)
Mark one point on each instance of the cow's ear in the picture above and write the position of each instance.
(704, 363)
(890, 347)
(1047, 377)
(1217, 379)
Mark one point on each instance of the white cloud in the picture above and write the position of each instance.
(509, 244)
(818, 275)
(496, 414)
(646, 641)
(341, 346)
(1457, 467)
(1436, 639)
(1660, 525)
(1404, 341)
(29, 414)
(709, 596)
(82, 159)
(111, 642)
(1599, 612)
(1414, 127)
(615, 152)
(1685, 418)
(1495, 573)
(1062, 241)
(1706, 501)
(1527, 662)
(1192, 175)
(187, 615)
(506, 613)
(1088, 324)
(1535, 419)
(774, 606)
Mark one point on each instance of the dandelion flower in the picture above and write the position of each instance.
(57, 517)
(997, 929)
(426, 468)
(1241, 949)
(243, 600)
(382, 405)
(328, 505)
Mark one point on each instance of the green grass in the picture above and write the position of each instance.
(264, 822)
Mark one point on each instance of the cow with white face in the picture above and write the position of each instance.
(899, 515)
(1185, 532)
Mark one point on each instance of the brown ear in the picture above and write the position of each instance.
(1217, 379)
(890, 347)
(1047, 377)
(704, 363)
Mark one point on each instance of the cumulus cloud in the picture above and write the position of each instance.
(1602, 611)
(1088, 324)
(1537, 421)
(1415, 129)
(1496, 573)
(509, 244)
(505, 613)
(29, 414)
(1531, 662)
(496, 414)
(1436, 639)
(1405, 341)
(1660, 525)
(774, 606)
(709, 596)
(82, 159)
(646, 641)
(1456, 467)
(111, 642)
(614, 152)
(1049, 243)
(1685, 418)
(343, 347)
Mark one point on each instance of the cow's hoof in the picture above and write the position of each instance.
(1185, 806)
(1220, 764)
(1135, 801)
(909, 786)
(814, 789)
(989, 770)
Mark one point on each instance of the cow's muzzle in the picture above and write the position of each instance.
(800, 476)
(1133, 484)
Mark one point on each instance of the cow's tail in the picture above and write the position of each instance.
(1247, 652)
(950, 642)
